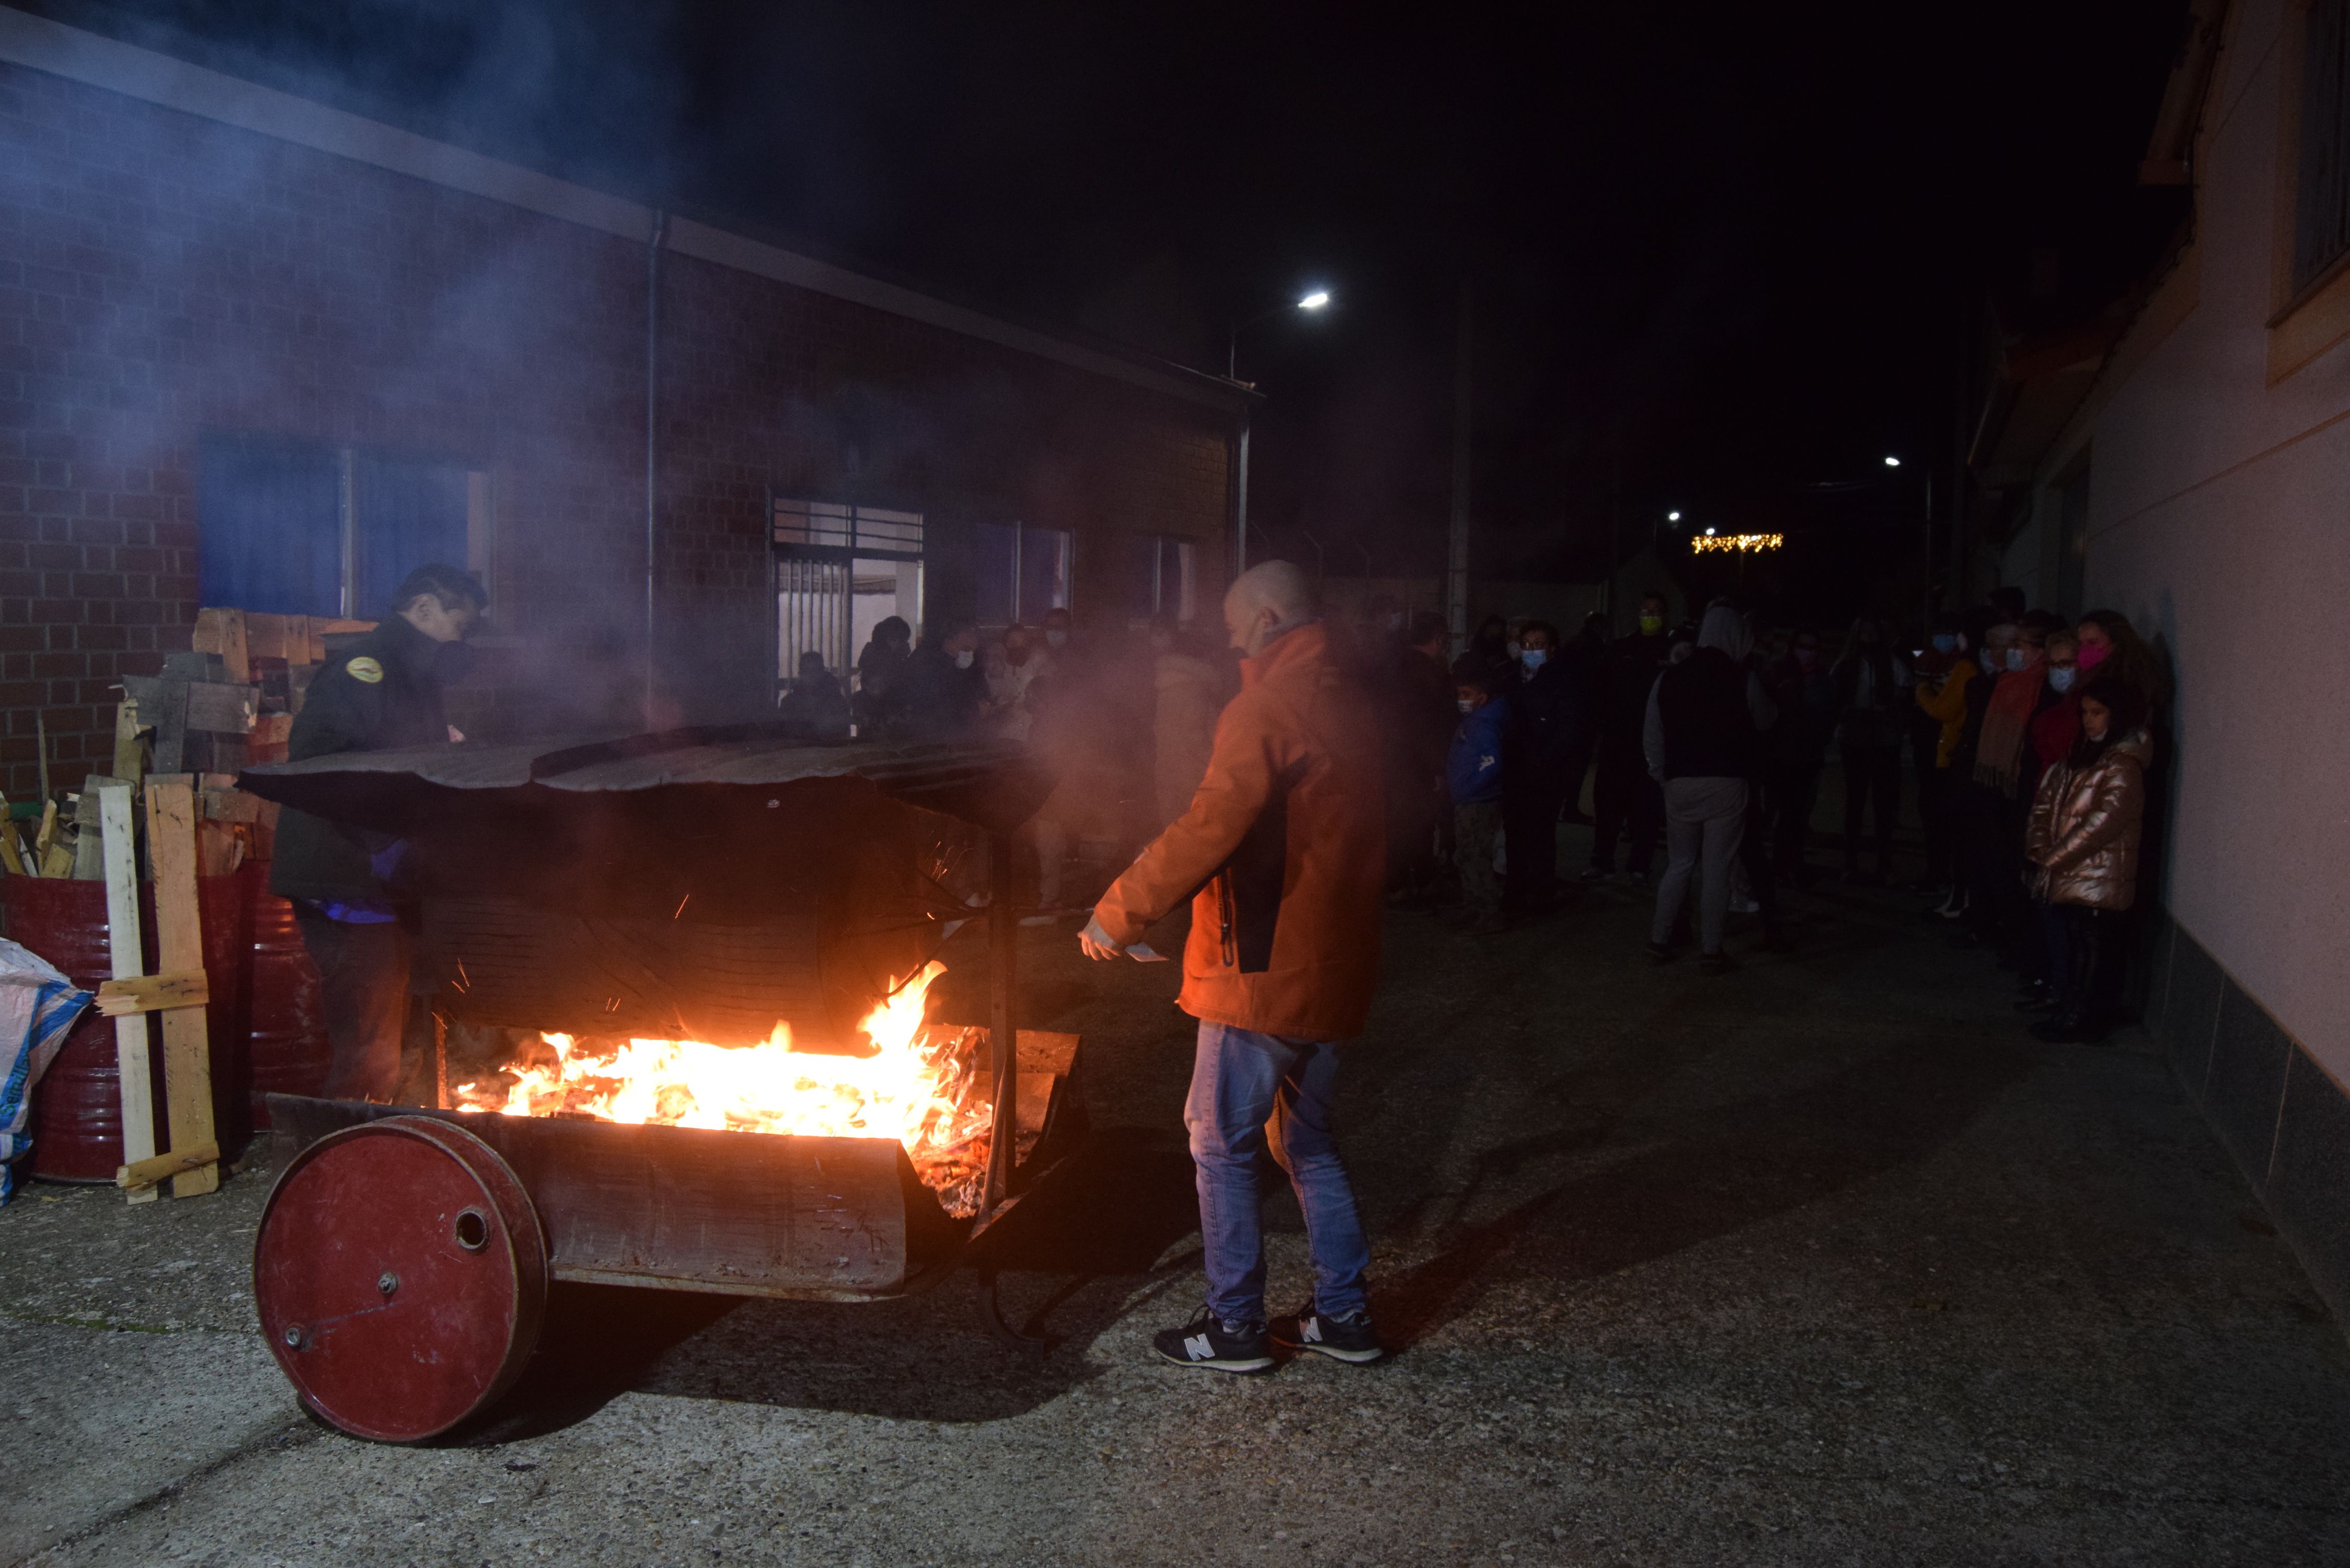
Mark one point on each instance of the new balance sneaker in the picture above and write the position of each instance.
(1340, 1338)
(1204, 1341)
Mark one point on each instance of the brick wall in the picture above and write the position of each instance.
(162, 276)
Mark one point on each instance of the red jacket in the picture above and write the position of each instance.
(1282, 854)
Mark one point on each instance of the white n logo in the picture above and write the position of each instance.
(1197, 1347)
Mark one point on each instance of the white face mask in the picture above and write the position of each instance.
(1513, 646)
(2062, 676)
(1532, 658)
(963, 659)
(1054, 636)
(1466, 706)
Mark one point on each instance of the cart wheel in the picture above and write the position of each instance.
(401, 1275)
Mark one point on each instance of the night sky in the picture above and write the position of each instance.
(1720, 256)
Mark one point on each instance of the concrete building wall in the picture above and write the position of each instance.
(184, 255)
(2218, 493)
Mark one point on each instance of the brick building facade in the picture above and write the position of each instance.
(187, 260)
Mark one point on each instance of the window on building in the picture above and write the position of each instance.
(840, 571)
(1163, 577)
(1023, 571)
(295, 528)
(2321, 204)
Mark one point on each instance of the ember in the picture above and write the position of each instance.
(919, 1084)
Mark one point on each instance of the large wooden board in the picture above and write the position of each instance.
(123, 950)
(179, 944)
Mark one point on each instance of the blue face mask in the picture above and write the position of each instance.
(1945, 642)
(2062, 676)
(1531, 658)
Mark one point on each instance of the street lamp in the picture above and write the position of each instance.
(1318, 299)
(1672, 516)
(1892, 462)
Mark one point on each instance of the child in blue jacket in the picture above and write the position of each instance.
(1472, 773)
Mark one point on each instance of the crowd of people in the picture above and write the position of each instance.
(2018, 743)
(2030, 740)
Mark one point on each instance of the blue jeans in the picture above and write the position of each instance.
(1244, 1085)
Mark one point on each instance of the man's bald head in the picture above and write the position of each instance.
(1265, 601)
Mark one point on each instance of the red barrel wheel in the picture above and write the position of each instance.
(401, 1275)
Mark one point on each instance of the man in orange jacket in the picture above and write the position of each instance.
(1282, 854)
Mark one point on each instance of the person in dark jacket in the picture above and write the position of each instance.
(945, 691)
(1625, 801)
(382, 693)
(1416, 724)
(1473, 772)
(1701, 739)
(882, 670)
(815, 704)
(1552, 715)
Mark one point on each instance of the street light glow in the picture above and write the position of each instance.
(1672, 516)
(1892, 462)
(1709, 533)
(1315, 300)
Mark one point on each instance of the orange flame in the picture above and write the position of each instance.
(918, 1086)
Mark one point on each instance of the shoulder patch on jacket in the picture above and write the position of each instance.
(366, 670)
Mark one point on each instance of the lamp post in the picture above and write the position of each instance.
(1313, 300)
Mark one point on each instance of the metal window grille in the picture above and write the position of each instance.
(825, 555)
(2321, 204)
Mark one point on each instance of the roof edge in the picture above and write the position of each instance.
(37, 43)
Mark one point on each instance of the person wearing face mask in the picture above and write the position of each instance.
(2111, 646)
(384, 692)
(1945, 677)
(1626, 803)
(945, 691)
(1473, 774)
(880, 668)
(1059, 633)
(1552, 718)
(1282, 855)
(2086, 824)
(2005, 776)
(2050, 736)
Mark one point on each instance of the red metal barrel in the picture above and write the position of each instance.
(290, 1052)
(76, 1123)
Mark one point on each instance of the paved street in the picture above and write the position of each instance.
(1822, 1262)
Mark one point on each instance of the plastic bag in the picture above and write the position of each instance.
(37, 1006)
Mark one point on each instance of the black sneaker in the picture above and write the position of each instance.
(1340, 1338)
(1204, 1341)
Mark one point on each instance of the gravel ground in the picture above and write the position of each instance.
(1822, 1262)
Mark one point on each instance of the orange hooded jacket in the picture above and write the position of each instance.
(1282, 854)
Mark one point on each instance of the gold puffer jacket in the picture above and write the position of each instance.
(2083, 840)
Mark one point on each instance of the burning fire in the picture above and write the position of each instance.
(919, 1086)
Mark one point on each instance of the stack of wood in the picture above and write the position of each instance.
(228, 701)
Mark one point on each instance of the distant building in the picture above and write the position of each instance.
(264, 353)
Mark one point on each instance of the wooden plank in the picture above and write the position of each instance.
(123, 944)
(146, 1173)
(179, 929)
(152, 993)
(221, 710)
(223, 631)
(130, 751)
(89, 863)
(264, 636)
(9, 854)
